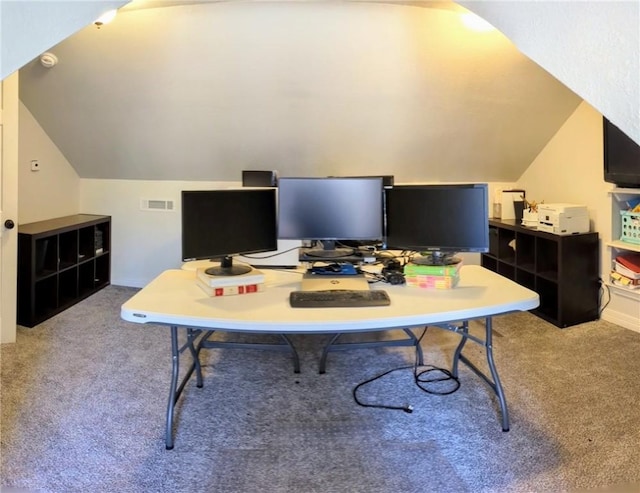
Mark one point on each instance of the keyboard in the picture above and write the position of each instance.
(339, 298)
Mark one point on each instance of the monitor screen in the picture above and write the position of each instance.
(218, 224)
(330, 209)
(443, 218)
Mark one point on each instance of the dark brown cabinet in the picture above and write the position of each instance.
(60, 262)
(563, 270)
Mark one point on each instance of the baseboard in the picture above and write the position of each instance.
(623, 307)
(129, 283)
(622, 319)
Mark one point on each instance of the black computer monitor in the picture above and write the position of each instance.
(218, 224)
(331, 209)
(438, 220)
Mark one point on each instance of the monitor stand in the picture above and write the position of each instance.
(435, 258)
(327, 252)
(227, 268)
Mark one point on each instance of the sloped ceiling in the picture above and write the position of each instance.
(593, 47)
(202, 91)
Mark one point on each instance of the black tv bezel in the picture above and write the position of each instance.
(612, 136)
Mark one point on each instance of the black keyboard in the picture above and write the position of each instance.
(339, 298)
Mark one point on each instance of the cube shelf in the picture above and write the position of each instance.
(562, 269)
(60, 262)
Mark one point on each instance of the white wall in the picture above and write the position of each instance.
(145, 243)
(200, 92)
(53, 190)
(570, 170)
(591, 46)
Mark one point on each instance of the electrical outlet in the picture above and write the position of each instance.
(35, 165)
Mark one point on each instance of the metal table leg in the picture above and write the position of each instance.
(194, 349)
(177, 388)
(173, 392)
(494, 382)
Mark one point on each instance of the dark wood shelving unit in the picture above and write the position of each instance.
(562, 269)
(60, 262)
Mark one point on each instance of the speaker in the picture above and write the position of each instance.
(256, 178)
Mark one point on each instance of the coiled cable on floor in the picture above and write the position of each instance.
(430, 377)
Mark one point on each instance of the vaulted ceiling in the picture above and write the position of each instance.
(201, 91)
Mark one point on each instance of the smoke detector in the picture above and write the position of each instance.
(48, 60)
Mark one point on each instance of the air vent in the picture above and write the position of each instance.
(157, 205)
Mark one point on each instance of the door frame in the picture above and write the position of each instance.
(9, 108)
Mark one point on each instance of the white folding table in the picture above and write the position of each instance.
(174, 299)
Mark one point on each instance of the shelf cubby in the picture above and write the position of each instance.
(526, 278)
(526, 252)
(59, 264)
(562, 269)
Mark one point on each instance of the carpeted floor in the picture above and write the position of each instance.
(84, 398)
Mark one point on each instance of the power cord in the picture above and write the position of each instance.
(253, 257)
(406, 408)
(603, 288)
(419, 378)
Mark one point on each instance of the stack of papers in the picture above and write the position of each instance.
(432, 276)
(626, 271)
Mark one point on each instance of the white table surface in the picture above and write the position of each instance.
(173, 298)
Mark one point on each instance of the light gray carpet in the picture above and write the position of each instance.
(84, 397)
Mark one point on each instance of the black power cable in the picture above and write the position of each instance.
(431, 375)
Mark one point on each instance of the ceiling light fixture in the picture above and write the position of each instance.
(105, 18)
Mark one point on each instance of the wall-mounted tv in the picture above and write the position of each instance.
(621, 157)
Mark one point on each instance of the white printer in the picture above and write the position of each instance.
(563, 219)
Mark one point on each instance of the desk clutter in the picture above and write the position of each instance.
(338, 276)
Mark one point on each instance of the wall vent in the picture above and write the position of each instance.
(156, 205)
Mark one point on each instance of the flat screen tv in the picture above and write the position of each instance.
(219, 224)
(621, 157)
(438, 220)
